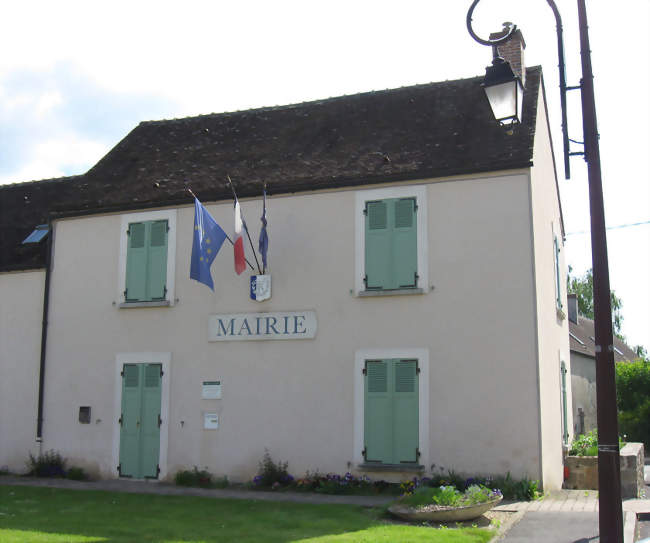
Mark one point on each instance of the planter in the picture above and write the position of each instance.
(442, 513)
(581, 472)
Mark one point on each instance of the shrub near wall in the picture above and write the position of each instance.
(633, 401)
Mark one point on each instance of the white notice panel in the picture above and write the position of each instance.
(210, 421)
(211, 390)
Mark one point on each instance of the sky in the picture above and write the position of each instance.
(76, 77)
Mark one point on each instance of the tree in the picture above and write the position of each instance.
(583, 288)
(633, 400)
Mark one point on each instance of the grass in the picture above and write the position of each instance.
(37, 514)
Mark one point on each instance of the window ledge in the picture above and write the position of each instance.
(367, 466)
(162, 303)
(395, 292)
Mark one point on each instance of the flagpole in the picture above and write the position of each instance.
(245, 226)
(264, 223)
(188, 189)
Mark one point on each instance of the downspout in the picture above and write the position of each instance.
(46, 304)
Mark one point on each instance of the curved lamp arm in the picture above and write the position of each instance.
(560, 54)
(497, 41)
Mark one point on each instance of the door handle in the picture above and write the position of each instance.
(137, 424)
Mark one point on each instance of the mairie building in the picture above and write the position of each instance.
(417, 312)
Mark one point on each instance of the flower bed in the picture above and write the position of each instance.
(445, 503)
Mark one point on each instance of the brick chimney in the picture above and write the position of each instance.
(512, 51)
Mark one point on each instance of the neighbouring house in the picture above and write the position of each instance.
(583, 366)
(417, 312)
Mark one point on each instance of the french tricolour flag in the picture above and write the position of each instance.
(240, 259)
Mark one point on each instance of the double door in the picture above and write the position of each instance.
(140, 420)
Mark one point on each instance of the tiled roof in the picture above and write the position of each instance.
(423, 131)
(581, 340)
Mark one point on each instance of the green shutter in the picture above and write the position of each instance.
(157, 261)
(150, 437)
(130, 417)
(405, 411)
(146, 261)
(391, 244)
(136, 263)
(377, 412)
(558, 287)
(565, 429)
(391, 424)
(378, 246)
(404, 244)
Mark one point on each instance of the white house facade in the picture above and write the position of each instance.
(416, 320)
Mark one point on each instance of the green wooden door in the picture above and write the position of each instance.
(391, 411)
(140, 420)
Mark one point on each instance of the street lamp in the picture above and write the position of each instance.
(610, 514)
(504, 91)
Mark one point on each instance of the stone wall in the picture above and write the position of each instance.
(632, 461)
(582, 471)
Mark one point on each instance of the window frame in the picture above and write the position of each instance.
(422, 358)
(170, 216)
(419, 193)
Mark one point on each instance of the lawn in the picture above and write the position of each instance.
(34, 514)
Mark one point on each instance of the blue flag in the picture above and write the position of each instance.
(208, 239)
(263, 244)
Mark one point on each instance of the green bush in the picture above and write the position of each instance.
(76, 474)
(515, 489)
(587, 444)
(633, 400)
(512, 489)
(271, 474)
(201, 478)
(449, 496)
(47, 464)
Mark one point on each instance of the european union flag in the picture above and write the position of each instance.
(208, 239)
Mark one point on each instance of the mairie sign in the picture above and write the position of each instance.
(260, 326)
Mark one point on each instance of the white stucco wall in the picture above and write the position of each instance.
(552, 326)
(476, 321)
(21, 315)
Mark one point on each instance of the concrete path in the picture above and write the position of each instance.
(566, 516)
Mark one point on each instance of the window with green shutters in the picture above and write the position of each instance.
(146, 261)
(391, 244)
(391, 411)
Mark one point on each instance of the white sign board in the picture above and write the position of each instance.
(260, 326)
(210, 421)
(211, 390)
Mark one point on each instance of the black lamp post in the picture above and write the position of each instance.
(609, 482)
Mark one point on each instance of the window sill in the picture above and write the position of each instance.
(396, 292)
(162, 303)
(413, 468)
